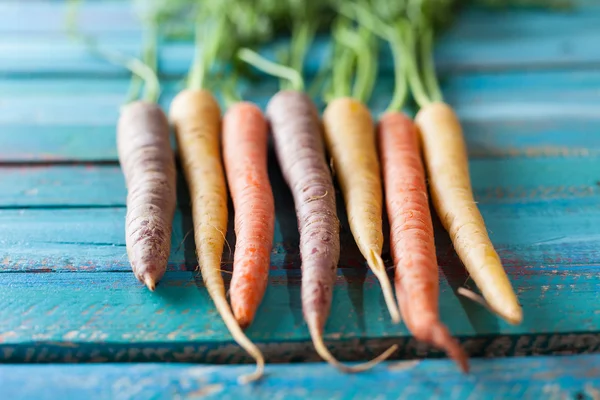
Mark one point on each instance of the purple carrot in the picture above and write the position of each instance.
(300, 150)
(148, 164)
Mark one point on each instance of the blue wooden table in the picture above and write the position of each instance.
(526, 85)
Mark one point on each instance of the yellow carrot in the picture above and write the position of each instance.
(197, 119)
(447, 166)
(446, 162)
(350, 141)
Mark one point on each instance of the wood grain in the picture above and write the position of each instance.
(517, 114)
(564, 378)
(481, 40)
(525, 85)
(495, 180)
(103, 317)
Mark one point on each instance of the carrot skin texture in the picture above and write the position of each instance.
(300, 151)
(351, 143)
(245, 156)
(197, 119)
(412, 239)
(446, 161)
(148, 165)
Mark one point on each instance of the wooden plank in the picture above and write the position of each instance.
(107, 317)
(551, 203)
(495, 180)
(531, 239)
(32, 55)
(116, 16)
(480, 40)
(532, 378)
(504, 115)
(526, 95)
(485, 139)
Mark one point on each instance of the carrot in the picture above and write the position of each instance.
(149, 167)
(196, 116)
(300, 151)
(146, 159)
(446, 163)
(245, 157)
(412, 239)
(350, 141)
(447, 167)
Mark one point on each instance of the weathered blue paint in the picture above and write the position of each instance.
(511, 181)
(540, 212)
(476, 97)
(554, 41)
(68, 295)
(504, 115)
(112, 16)
(566, 378)
(111, 317)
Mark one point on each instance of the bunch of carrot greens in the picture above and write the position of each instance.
(390, 159)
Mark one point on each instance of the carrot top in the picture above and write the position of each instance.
(356, 53)
(393, 35)
(144, 71)
(286, 73)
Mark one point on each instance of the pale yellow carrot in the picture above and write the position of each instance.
(197, 119)
(445, 157)
(350, 140)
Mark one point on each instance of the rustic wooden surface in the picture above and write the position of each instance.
(526, 378)
(526, 86)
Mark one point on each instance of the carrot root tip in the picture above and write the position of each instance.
(244, 323)
(148, 281)
(378, 267)
(441, 337)
(255, 376)
(321, 349)
(513, 316)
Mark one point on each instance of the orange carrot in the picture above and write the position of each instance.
(245, 157)
(412, 240)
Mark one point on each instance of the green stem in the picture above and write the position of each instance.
(230, 96)
(134, 65)
(322, 74)
(429, 73)
(135, 87)
(303, 33)
(196, 73)
(400, 84)
(349, 48)
(272, 68)
(363, 16)
(359, 44)
(367, 19)
(341, 73)
(282, 57)
(151, 92)
(412, 72)
(371, 53)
